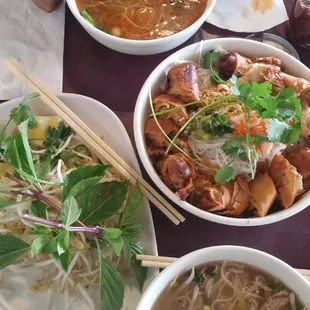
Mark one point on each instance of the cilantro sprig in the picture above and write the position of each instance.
(284, 122)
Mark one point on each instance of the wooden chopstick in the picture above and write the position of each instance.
(162, 262)
(100, 147)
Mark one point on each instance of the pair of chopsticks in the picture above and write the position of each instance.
(162, 262)
(98, 145)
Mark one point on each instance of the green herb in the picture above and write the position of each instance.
(11, 248)
(275, 129)
(114, 237)
(23, 112)
(42, 168)
(199, 134)
(5, 204)
(208, 62)
(38, 209)
(38, 244)
(102, 201)
(56, 137)
(133, 231)
(211, 275)
(198, 278)
(209, 58)
(133, 208)
(234, 147)
(224, 174)
(82, 179)
(89, 19)
(70, 211)
(134, 248)
(23, 127)
(111, 285)
(63, 260)
(216, 125)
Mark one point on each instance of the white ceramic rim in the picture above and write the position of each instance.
(298, 206)
(240, 254)
(149, 43)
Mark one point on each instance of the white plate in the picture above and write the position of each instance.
(105, 123)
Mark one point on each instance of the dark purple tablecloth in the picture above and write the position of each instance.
(115, 79)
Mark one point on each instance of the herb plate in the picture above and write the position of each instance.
(15, 286)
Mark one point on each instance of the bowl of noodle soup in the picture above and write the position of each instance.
(124, 32)
(155, 88)
(213, 278)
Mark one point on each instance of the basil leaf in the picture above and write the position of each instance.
(44, 167)
(224, 174)
(133, 208)
(38, 209)
(111, 286)
(70, 211)
(16, 155)
(5, 203)
(23, 127)
(133, 231)
(80, 174)
(63, 242)
(23, 112)
(83, 186)
(11, 248)
(63, 260)
(102, 201)
(113, 237)
(38, 244)
(134, 248)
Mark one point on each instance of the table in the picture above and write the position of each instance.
(115, 79)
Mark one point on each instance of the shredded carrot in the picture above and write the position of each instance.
(256, 126)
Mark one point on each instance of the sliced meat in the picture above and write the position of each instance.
(216, 198)
(305, 97)
(300, 159)
(156, 141)
(263, 194)
(287, 180)
(183, 82)
(279, 301)
(165, 101)
(234, 63)
(261, 72)
(240, 198)
(155, 135)
(177, 172)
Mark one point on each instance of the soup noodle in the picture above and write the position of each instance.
(227, 286)
(142, 19)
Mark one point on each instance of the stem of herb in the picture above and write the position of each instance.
(37, 194)
(164, 133)
(38, 220)
(194, 116)
(249, 145)
(206, 101)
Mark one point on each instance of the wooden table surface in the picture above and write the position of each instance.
(115, 79)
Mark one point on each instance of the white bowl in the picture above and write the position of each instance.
(141, 47)
(263, 261)
(158, 77)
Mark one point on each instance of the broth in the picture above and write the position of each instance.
(142, 19)
(227, 285)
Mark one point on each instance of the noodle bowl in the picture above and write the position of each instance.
(227, 277)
